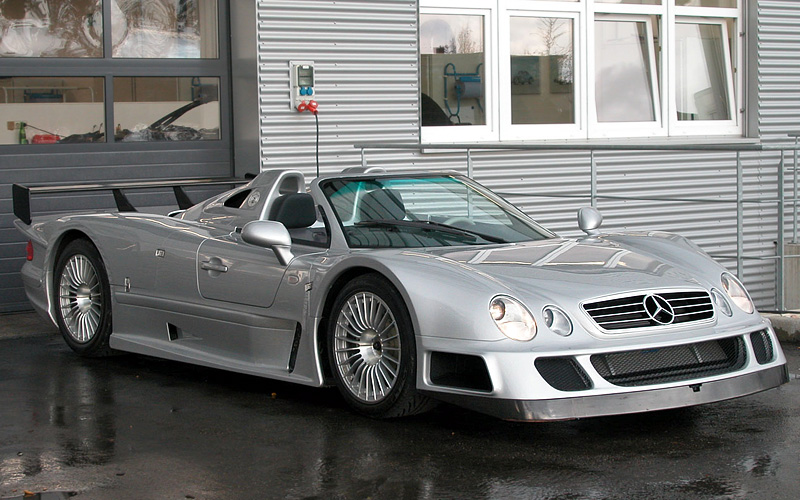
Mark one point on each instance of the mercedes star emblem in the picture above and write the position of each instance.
(659, 310)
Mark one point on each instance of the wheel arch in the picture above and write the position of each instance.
(56, 250)
(82, 307)
(336, 283)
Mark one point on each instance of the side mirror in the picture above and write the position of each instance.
(589, 219)
(269, 234)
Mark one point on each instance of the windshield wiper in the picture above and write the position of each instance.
(493, 239)
(429, 225)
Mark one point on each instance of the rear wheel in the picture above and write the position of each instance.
(372, 351)
(83, 299)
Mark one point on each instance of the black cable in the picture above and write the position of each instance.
(316, 120)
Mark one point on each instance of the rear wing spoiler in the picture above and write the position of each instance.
(22, 194)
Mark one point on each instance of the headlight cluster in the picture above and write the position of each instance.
(517, 323)
(512, 318)
(737, 293)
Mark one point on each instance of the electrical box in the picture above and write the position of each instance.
(301, 74)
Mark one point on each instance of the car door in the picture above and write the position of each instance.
(230, 270)
(208, 279)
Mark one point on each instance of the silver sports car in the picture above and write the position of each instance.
(403, 290)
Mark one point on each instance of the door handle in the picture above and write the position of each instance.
(210, 266)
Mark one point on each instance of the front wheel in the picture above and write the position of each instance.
(83, 299)
(372, 351)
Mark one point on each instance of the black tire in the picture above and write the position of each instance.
(82, 299)
(372, 350)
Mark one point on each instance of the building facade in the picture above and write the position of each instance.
(614, 88)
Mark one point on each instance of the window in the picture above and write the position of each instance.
(624, 66)
(455, 88)
(154, 72)
(176, 109)
(51, 28)
(165, 29)
(452, 60)
(542, 68)
(139, 28)
(702, 75)
(579, 69)
(46, 110)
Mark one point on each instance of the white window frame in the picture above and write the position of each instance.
(653, 128)
(471, 133)
(585, 13)
(543, 131)
(732, 82)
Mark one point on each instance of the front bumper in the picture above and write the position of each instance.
(689, 394)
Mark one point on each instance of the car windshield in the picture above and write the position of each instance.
(425, 211)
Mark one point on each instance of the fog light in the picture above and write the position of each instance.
(721, 303)
(557, 320)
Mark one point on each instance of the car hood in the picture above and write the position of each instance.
(584, 268)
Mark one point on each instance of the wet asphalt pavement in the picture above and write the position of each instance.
(133, 427)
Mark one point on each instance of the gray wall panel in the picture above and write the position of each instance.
(366, 79)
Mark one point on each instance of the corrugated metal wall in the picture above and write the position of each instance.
(778, 89)
(779, 67)
(366, 78)
(366, 68)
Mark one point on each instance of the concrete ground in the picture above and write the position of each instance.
(134, 427)
(26, 324)
(787, 326)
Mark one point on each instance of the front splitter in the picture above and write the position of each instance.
(622, 403)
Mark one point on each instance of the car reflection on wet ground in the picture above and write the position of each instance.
(138, 427)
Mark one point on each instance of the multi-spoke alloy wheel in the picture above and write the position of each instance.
(367, 347)
(372, 351)
(82, 299)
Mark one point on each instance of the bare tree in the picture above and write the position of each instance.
(550, 32)
(466, 42)
(551, 29)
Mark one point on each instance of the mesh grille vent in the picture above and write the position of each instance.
(762, 347)
(564, 374)
(671, 364)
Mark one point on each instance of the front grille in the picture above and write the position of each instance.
(651, 310)
(671, 364)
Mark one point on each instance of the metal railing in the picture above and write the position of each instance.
(738, 147)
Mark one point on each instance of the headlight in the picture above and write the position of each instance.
(512, 318)
(557, 320)
(720, 302)
(735, 290)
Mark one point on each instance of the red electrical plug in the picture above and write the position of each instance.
(312, 106)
